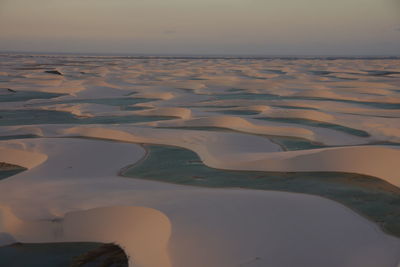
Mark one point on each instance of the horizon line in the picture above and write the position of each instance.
(195, 55)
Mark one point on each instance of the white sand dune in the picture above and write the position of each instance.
(209, 227)
(377, 161)
(233, 151)
(71, 190)
(183, 113)
(245, 152)
(243, 125)
(142, 232)
(163, 96)
(259, 127)
(23, 158)
(337, 107)
(88, 109)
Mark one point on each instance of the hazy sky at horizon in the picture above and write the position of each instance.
(263, 27)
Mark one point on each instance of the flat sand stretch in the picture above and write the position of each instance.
(236, 114)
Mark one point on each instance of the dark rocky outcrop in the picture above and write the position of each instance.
(56, 72)
(7, 91)
(7, 167)
(107, 255)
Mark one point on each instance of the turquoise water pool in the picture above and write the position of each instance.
(372, 197)
(312, 123)
(31, 117)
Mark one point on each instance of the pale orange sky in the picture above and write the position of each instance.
(263, 27)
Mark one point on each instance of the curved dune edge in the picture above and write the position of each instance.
(213, 228)
(377, 161)
(183, 113)
(210, 227)
(156, 95)
(142, 232)
(21, 158)
(241, 124)
(337, 107)
(89, 110)
(234, 151)
(258, 127)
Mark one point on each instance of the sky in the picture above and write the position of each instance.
(203, 27)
